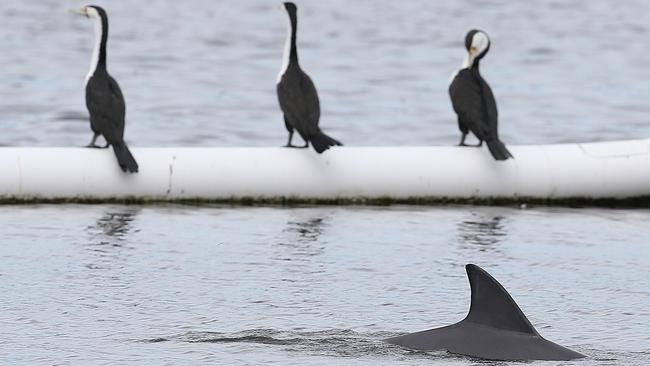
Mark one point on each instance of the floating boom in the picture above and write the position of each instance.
(591, 171)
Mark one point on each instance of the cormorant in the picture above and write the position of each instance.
(297, 94)
(473, 100)
(104, 98)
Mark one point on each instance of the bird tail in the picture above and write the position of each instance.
(124, 158)
(322, 142)
(498, 150)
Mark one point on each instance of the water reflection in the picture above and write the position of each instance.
(113, 226)
(300, 238)
(306, 230)
(482, 231)
(298, 253)
(107, 239)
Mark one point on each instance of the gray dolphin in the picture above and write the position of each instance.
(494, 329)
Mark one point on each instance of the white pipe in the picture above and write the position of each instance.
(594, 171)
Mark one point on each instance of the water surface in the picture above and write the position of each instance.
(187, 285)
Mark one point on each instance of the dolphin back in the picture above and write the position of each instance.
(495, 328)
(492, 305)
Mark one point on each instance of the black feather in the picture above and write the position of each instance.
(474, 103)
(106, 106)
(299, 99)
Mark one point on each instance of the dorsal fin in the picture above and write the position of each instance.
(492, 305)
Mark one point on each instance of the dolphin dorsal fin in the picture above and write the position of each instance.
(492, 305)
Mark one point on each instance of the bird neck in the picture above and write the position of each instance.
(293, 50)
(471, 63)
(98, 60)
(290, 55)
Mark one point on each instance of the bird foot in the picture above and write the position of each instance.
(105, 147)
(93, 146)
(297, 147)
(462, 144)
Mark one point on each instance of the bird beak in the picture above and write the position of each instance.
(80, 11)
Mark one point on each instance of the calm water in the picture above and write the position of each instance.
(181, 285)
(86, 285)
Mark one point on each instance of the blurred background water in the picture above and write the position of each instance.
(202, 72)
(178, 285)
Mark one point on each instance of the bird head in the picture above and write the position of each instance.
(477, 44)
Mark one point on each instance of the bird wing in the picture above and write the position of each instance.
(299, 101)
(490, 108)
(106, 105)
(466, 98)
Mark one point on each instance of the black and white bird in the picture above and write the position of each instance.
(104, 98)
(473, 100)
(297, 94)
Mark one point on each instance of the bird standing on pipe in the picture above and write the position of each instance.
(297, 94)
(473, 100)
(104, 98)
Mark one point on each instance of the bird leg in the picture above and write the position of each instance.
(462, 140)
(289, 141)
(92, 142)
(106, 146)
(294, 146)
(480, 143)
